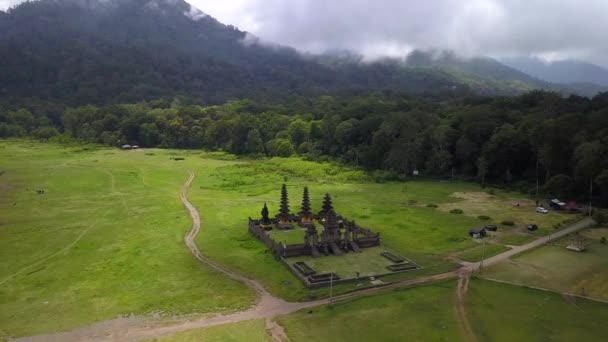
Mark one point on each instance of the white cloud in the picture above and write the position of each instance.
(195, 13)
(547, 28)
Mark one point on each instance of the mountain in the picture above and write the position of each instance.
(564, 71)
(482, 70)
(108, 51)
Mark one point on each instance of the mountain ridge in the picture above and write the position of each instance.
(561, 71)
(100, 51)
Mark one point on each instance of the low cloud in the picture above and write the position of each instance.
(548, 29)
(545, 28)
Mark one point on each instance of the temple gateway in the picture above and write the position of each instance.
(337, 237)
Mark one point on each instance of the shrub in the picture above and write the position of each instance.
(600, 216)
(431, 206)
(507, 223)
(491, 192)
(412, 202)
(483, 217)
(456, 211)
(603, 240)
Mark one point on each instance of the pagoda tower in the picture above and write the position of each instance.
(305, 214)
(327, 206)
(284, 217)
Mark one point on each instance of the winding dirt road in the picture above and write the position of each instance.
(268, 306)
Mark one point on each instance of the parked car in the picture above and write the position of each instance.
(532, 227)
(542, 210)
(491, 227)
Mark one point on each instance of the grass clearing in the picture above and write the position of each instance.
(105, 239)
(417, 314)
(500, 312)
(250, 331)
(497, 312)
(505, 206)
(556, 268)
(478, 252)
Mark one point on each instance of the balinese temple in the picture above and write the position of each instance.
(338, 236)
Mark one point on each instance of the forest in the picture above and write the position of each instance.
(540, 137)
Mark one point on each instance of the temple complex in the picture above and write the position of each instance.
(338, 235)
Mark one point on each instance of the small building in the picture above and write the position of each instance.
(478, 233)
(557, 204)
(134, 147)
(575, 248)
(572, 206)
(126, 147)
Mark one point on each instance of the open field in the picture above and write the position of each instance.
(481, 251)
(556, 268)
(500, 312)
(506, 206)
(418, 314)
(496, 312)
(250, 331)
(106, 237)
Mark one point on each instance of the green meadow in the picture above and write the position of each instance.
(499, 312)
(418, 314)
(556, 268)
(106, 237)
(496, 312)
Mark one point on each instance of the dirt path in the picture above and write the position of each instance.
(461, 315)
(267, 306)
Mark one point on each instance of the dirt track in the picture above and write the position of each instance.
(267, 306)
(461, 315)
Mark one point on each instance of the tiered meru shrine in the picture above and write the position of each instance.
(338, 236)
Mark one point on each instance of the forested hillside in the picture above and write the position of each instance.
(506, 140)
(120, 51)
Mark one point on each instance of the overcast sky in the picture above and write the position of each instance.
(553, 29)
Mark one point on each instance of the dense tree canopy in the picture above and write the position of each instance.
(506, 140)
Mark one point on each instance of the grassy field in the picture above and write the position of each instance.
(480, 251)
(497, 312)
(105, 239)
(556, 268)
(250, 331)
(228, 194)
(506, 206)
(507, 313)
(418, 314)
